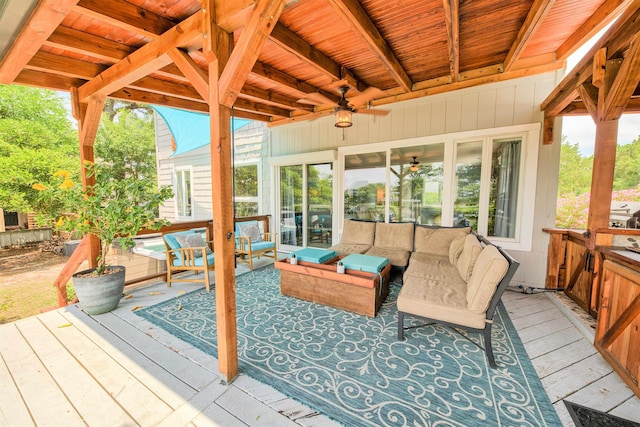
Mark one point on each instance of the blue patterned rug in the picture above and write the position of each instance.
(354, 370)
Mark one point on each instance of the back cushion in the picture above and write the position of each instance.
(489, 269)
(436, 241)
(471, 248)
(455, 249)
(358, 232)
(394, 236)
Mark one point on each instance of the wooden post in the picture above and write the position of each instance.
(604, 160)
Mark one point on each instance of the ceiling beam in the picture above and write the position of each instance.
(615, 39)
(47, 80)
(538, 11)
(231, 15)
(355, 15)
(122, 14)
(163, 87)
(135, 95)
(261, 95)
(83, 43)
(577, 108)
(589, 95)
(293, 44)
(249, 45)
(48, 62)
(452, 22)
(596, 22)
(256, 107)
(143, 61)
(47, 15)
(267, 72)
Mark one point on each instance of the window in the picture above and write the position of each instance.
(245, 188)
(183, 193)
(365, 178)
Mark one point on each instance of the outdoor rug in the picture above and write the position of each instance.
(353, 369)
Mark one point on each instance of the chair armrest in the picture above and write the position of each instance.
(243, 242)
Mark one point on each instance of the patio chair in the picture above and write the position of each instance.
(252, 241)
(185, 251)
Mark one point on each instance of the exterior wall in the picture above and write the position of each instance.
(250, 145)
(508, 103)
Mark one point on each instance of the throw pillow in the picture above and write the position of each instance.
(193, 241)
(252, 231)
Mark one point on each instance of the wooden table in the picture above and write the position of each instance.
(354, 291)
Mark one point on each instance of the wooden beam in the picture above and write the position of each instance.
(261, 95)
(251, 116)
(135, 95)
(615, 39)
(196, 75)
(267, 72)
(604, 159)
(538, 11)
(547, 130)
(245, 52)
(125, 15)
(355, 15)
(83, 43)
(577, 108)
(243, 104)
(48, 62)
(598, 67)
(612, 69)
(42, 22)
(163, 87)
(589, 95)
(290, 42)
(143, 61)
(231, 15)
(609, 10)
(626, 82)
(452, 22)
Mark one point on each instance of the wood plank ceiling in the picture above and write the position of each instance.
(403, 48)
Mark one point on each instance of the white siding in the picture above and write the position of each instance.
(509, 103)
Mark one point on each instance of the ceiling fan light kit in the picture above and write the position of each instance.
(343, 118)
(413, 165)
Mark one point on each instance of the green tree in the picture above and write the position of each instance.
(36, 139)
(575, 170)
(627, 172)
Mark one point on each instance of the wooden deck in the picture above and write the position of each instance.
(67, 368)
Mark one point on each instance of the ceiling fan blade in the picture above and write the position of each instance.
(373, 112)
(365, 96)
(315, 98)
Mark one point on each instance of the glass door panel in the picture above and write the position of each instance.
(503, 197)
(291, 205)
(365, 179)
(320, 205)
(416, 183)
(467, 184)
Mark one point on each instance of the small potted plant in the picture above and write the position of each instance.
(111, 209)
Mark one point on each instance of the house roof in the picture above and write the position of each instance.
(383, 51)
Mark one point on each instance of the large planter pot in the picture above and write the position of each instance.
(99, 294)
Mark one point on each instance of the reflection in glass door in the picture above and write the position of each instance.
(365, 177)
(320, 205)
(291, 205)
(467, 186)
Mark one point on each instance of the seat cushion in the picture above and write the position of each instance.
(261, 246)
(394, 236)
(488, 270)
(358, 232)
(315, 255)
(432, 267)
(470, 251)
(437, 240)
(350, 248)
(198, 262)
(439, 300)
(397, 257)
(368, 263)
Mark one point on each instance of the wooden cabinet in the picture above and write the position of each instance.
(618, 329)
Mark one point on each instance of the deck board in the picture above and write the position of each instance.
(68, 368)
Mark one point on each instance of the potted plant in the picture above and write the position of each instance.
(111, 209)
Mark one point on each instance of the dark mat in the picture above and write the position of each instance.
(587, 417)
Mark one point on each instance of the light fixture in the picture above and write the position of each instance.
(343, 118)
(413, 166)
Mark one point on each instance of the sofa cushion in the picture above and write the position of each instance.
(490, 267)
(431, 267)
(470, 251)
(394, 236)
(442, 300)
(358, 232)
(397, 257)
(455, 249)
(437, 240)
(350, 248)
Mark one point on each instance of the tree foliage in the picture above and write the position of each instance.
(36, 139)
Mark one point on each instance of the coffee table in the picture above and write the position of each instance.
(356, 291)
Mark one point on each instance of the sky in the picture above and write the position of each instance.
(582, 129)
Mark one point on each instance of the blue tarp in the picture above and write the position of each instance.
(190, 130)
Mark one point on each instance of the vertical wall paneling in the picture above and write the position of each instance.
(487, 110)
(453, 115)
(505, 106)
(469, 112)
(438, 116)
(424, 119)
(524, 107)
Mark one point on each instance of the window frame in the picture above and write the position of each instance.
(178, 179)
(250, 199)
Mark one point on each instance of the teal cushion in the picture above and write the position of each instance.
(315, 255)
(261, 245)
(368, 263)
(198, 261)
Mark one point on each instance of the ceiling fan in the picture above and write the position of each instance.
(344, 107)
